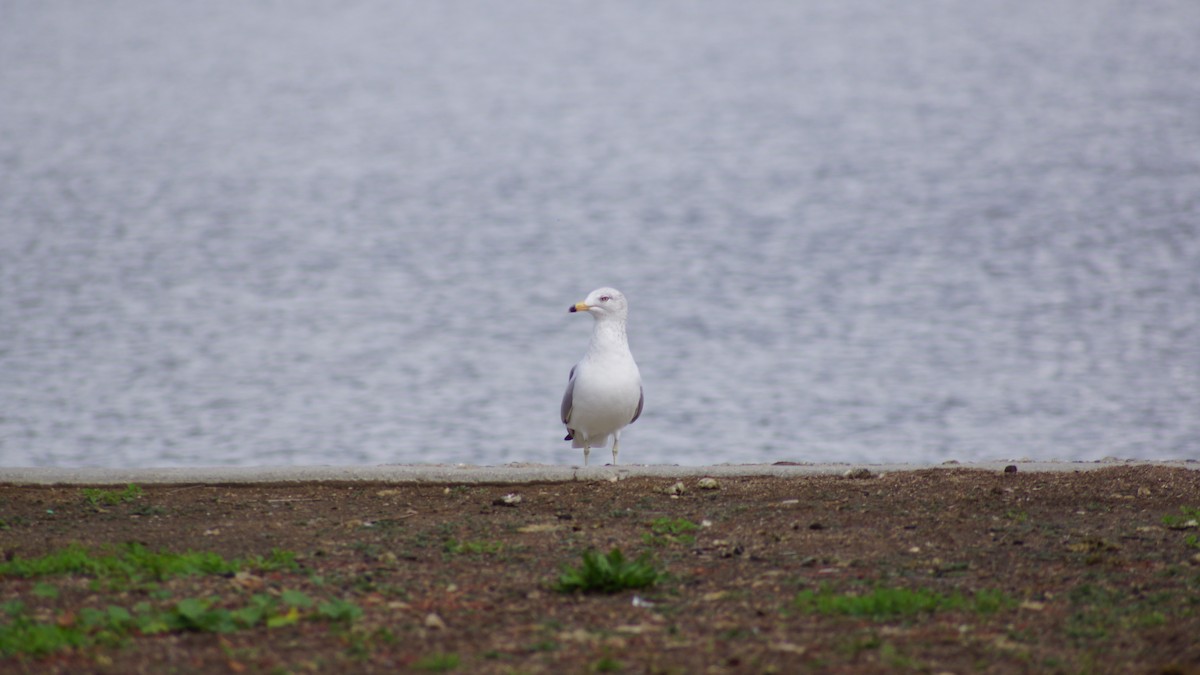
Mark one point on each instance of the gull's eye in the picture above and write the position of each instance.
(605, 298)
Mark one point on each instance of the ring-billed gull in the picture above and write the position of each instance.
(604, 394)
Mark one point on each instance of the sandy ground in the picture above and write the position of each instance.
(789, 570)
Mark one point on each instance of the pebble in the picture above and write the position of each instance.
(676, 489)
(638, 601)
(708, 484)
(786, 647)
(1011, 468)
(510, 499)
(858, 472)
(434, 621)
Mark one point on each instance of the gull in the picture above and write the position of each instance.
(604, 390)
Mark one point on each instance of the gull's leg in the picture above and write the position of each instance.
(616, 442)
(587, 450)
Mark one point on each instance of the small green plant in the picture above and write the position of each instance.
(1189, 517)
(96, 496)
(664, 531)
(607, 664)
(339, 611)
(1016, 515)
(22, 633)
(883, 603)
(134, 563)
(438, 663)
(609, 573)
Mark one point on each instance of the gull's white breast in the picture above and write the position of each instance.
(605, 397)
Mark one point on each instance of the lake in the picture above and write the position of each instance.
(263, 233)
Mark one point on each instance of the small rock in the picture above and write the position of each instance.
(816, 526)
(1011, 468)
(676, 489)
(638, 628)
(510, 499)
(247, 581)
(639, 601)
(434, 621)
(708, 484)
(1033, 605)
(616, 643)
(1143, 492)
(728, 552)
(538, 527)
(950, 462)
(786, 647)
(858, 472)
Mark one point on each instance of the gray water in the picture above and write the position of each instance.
(240, 233)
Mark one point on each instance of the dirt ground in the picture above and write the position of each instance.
(1094, 571)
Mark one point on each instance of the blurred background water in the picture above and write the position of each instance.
(257, 232)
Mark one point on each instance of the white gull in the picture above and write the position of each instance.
(604, 394)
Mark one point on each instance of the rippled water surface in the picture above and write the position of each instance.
(335, 233)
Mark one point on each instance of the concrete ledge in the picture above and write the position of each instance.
(508, 473)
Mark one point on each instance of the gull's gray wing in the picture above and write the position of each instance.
(568, 396)
(641, 399)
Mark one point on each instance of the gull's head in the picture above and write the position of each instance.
(603, 303)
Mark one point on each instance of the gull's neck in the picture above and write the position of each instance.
(607, 335)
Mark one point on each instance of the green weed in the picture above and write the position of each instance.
(438, 663)
(1099, 612)
(671, 531)
(96, 496)
(339, 611)
(882, 603)
(21, 633)
(134, 562)
(607, 664)
(1189, 517)
(608, 573)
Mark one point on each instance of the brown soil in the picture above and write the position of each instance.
(449, 578)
